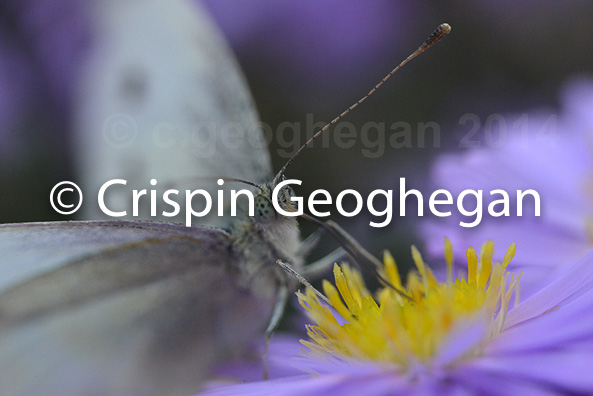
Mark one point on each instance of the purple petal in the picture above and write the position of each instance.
(540, 248)
(523, 164)
(461, 341)
(573, 282)
(569, 324)
(577, 97)
(281, 353)
(561, 245)
(330, 365)
(376, 384)
(568, 371)
(484, 382)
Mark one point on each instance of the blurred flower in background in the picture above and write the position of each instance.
(309, 44)
(541, 150)
(42, 47)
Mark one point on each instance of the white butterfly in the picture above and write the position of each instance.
(162, 98)
(145, 308)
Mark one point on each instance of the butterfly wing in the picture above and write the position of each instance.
(163, 98)
(119, 307)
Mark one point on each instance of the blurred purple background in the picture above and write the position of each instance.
(307, 58)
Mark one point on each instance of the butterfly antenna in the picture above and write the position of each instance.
(211, 180)
(227, 179)
(438, 34)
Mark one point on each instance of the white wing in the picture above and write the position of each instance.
(162, 98)
(119, 308)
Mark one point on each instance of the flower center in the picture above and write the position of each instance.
(408, 325)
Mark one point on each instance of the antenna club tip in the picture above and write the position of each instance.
(445, 28)
(441, 31)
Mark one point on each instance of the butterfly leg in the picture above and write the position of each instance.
(281, 300)
(359, 255)
(317, 268)
(347, 242)
(292, 272)
(310, 242)
(353, 243)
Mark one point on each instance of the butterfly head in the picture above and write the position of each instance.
(265, 211)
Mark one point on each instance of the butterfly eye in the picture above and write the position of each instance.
(264, 209)
(290, 192)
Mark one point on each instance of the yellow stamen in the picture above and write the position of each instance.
(389, 328)
(472, 265)
(449, 259)
(486, 263)
(509, 254)
(391, 270)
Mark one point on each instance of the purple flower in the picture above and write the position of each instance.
(41, 51)
(543, 151)
(43, 45)
(455, 337)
